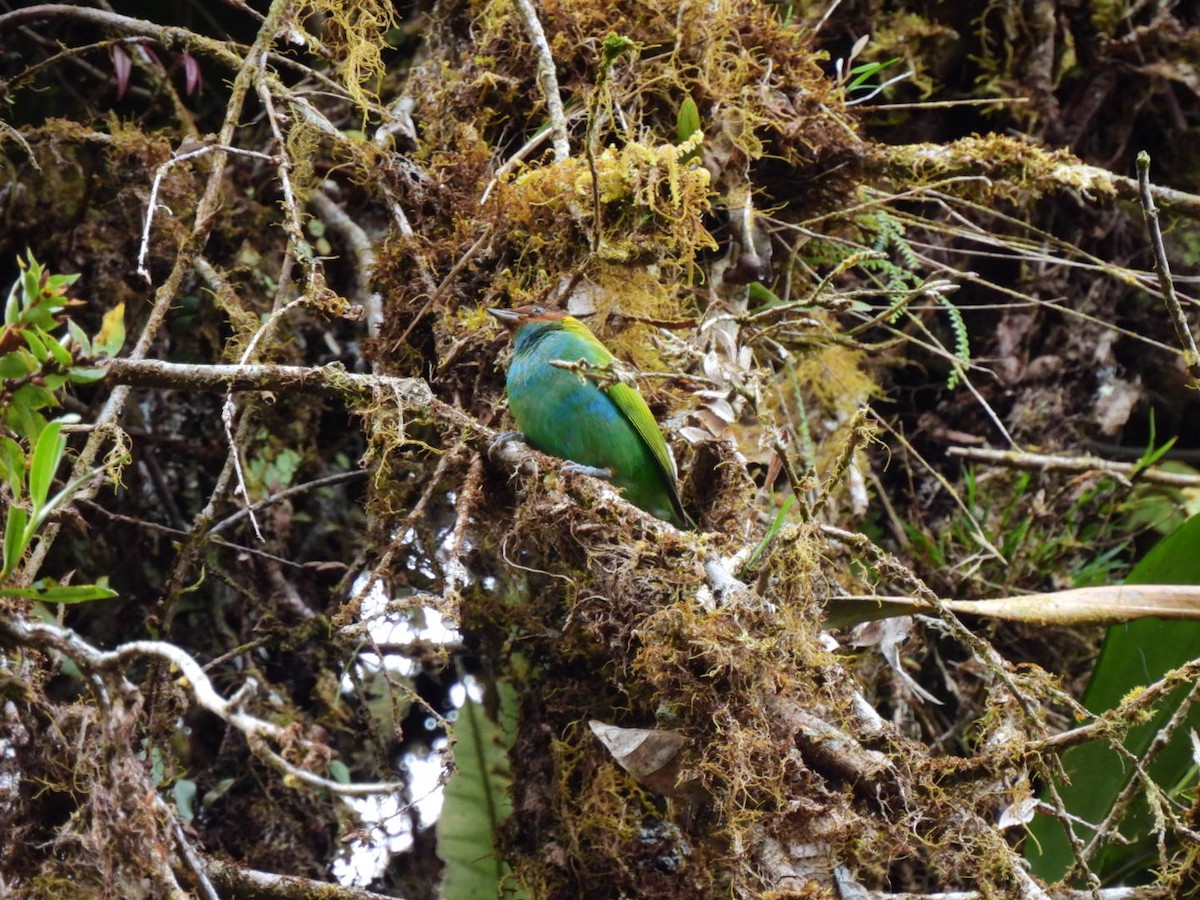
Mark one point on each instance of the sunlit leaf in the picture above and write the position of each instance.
(111, 338)
(36, 345)
(44, 463)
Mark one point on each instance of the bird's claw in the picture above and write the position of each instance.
(594, 471)
(503, 438)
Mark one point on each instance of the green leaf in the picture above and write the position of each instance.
(12, 305)
(185, 799)
(61, 593)
(12, 465)
(15, 538)
(86, 375)
(75, 335)
(61, 354)
(22, 414)
(1133, 655)
(687, 121)
(16, 364)
(339, 771)
(477, 802)
(31, 283)
(222, 788)
(44, 463)
(36, 345)
(761, 295)
(111, 338)
(776, 525)
(866, 70)
(35, 397)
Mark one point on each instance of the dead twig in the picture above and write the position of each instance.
(1191, 356)
(1042, 462)
(547, 79)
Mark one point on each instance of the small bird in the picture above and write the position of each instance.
(601, 424)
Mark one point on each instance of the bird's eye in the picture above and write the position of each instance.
(538, 310)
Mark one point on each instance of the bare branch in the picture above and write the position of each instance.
(1191, 356)
(249, 884)
(547, 79)
(1040, 462)
(193, 678)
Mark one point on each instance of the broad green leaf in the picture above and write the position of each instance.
(1133, 655)
(22, 414)
(35, 397)
(477, 802)
(16, 364)
(44, 463)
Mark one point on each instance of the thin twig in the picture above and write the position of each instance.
(190, 856)
(1191, 356)
(229, 411)
(152, 204)
(238, 881)
(205, 216)
(414, 393)
(360, 245)
(313, 485)
(195, 681)
(547, 79)
(1041, 462)
(1137, 785)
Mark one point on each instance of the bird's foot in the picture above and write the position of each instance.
(503, 438)
(594, 471)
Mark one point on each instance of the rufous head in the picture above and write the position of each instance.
(523, 315)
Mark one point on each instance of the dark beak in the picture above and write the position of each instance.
(508, 317)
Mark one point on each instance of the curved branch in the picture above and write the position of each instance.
(194, 679)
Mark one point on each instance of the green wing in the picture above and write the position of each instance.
(633, 407)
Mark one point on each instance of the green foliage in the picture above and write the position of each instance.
(35, 365)
(687, 122)
(1081, 544)
(477, 801)
(890, 237)
(1134, 655)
